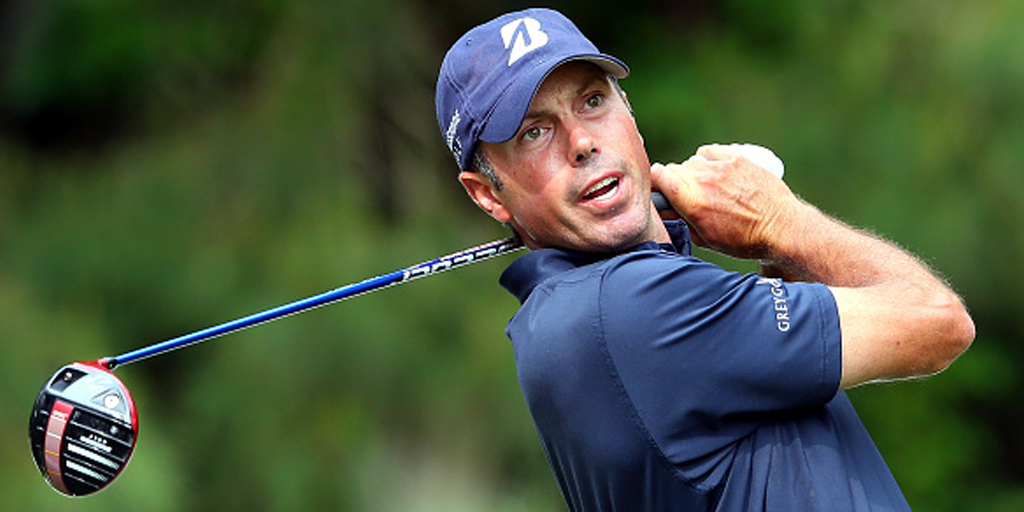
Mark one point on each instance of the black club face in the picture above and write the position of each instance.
(83, 429)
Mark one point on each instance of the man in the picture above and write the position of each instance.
(659, 382)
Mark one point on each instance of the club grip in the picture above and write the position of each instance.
(661, 202)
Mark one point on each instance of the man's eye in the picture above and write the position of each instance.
(533, 133)
(595, 101)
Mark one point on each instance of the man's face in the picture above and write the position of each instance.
(576, 174)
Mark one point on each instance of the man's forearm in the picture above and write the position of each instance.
(899, 318)
(813, 246)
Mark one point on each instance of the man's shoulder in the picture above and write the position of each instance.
(655, 271)
(550, 265)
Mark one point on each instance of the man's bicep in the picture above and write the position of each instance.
(879, 338)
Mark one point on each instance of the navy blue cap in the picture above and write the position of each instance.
(489, 76)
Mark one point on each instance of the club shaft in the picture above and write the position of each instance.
(465, 257)
(458, 259)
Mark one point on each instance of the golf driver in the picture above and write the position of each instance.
(83, 428)
(84, 425)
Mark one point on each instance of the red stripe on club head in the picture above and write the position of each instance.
(59, 416)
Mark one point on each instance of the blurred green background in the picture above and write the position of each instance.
(166, 166)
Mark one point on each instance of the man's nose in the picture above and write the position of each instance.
(583, 144)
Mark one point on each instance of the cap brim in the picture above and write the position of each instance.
(509, 111)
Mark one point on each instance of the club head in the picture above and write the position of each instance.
(83, 428)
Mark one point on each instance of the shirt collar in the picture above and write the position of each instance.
(528, 271)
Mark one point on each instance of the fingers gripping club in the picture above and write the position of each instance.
(758, 155)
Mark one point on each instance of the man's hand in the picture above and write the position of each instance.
(732, 205)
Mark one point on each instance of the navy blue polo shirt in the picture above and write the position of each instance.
(659, 382)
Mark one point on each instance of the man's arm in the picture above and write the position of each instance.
(898, 319)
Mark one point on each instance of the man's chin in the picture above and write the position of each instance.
(620, 238)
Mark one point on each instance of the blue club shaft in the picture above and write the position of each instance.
(424, 269)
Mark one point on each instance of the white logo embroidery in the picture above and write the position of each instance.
(522, 36)
(780, 304)
(451, 136)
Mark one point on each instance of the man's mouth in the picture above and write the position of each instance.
(601, 189)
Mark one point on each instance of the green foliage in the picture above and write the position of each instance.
(117, 54)
(267, 151)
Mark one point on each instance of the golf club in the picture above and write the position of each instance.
(84, 426)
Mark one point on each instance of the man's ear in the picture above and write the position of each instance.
(484, 194)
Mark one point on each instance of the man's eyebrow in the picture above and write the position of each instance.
(541, 112)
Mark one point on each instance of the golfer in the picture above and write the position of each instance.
(657, 381)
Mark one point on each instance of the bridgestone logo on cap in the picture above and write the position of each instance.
(523, 36)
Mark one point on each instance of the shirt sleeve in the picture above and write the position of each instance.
(706, 355)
